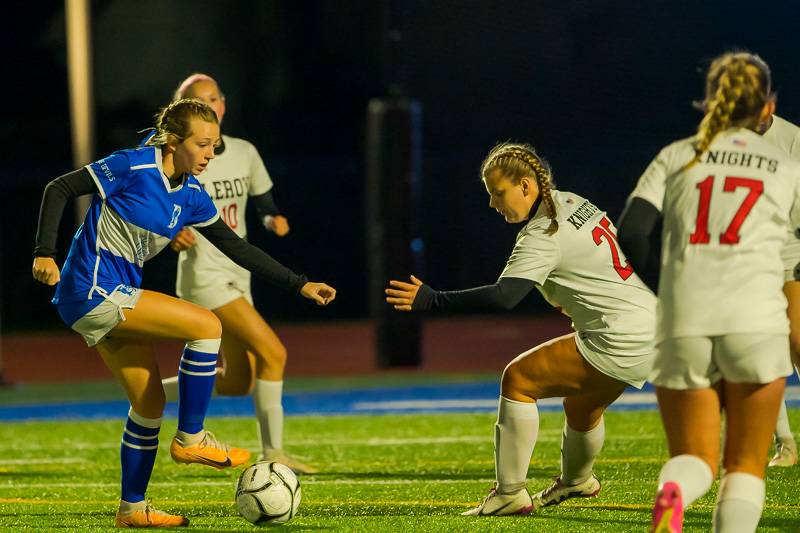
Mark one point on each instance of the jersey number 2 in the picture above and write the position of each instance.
(603, 231)
(731, 235)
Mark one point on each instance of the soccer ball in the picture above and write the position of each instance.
(267, 493)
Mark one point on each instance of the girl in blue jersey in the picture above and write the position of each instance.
(142, 198)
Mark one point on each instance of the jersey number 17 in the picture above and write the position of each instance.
(731, 235)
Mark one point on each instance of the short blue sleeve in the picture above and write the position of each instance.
(111, 174)
(204, 212)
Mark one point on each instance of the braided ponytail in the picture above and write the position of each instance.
(516, 161)
(737, 88)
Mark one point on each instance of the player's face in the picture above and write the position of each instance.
(194, 153)
(512, 200)
(208, 91)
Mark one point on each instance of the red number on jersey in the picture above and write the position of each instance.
(228, 215)
(731, 235)
(604, 231)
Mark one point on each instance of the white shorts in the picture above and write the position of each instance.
(699, 362)
(632, 369)
(214, 296)
(96, 324)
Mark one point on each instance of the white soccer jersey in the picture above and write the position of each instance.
(581, 270)
(725, 221)
(786, 136)
(229, 179)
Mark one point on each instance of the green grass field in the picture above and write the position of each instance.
(382, 473)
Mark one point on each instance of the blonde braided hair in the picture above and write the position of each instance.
(517, 160)
(173, 123)
(738, 86)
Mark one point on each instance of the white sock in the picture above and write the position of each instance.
(739, 503)
(578, 450)
(514, 439)
(128, 507)
(269, 412)
(171, 388)
(189, 439)
(691, 473)
(782, 429)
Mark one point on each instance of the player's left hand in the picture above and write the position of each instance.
(278, 225)
(403, 294)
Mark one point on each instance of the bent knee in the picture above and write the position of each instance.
(517, 385)
(208, 326)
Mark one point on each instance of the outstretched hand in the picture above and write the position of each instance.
(403, 294)
(183, 240)
(321, 293)
(278, 225)
(46, 270)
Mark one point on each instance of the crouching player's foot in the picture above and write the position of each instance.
(668, 509)
(143, 514)
(558, 492)
(497, 504)
(280, 456)
(205, 449)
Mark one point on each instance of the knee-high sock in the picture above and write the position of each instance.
(171, 390)
(514, 439)
(691, 473)
(137, 455)
(578, 450)
(195, 383)
(782, 429)
(739, 503)
(269, 412)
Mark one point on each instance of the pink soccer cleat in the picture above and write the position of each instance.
(668, 509)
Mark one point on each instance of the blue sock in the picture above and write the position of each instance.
(198, 369)
(137, 455)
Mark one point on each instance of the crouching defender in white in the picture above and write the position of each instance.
(568, 251)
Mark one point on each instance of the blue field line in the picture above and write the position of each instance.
(440, 398)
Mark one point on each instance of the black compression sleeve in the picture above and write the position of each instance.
(505, 294)
(248, 256)
(56, 195)
(639, 239)
(265, 205)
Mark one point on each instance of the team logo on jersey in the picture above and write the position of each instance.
(176, 212)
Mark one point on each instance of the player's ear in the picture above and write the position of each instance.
(525, 183)
(171, 144)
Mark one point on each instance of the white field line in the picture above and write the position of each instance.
(545, 435)
(398, 481)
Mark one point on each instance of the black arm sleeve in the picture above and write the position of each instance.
(248, 256)
(505, 294)
(639, 240)
(56, 195)
(265, 205)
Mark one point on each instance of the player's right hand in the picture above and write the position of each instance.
(183, 240)
(46, 270)
(319, 292)
(401, 295)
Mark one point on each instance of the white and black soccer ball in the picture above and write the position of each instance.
(267, 493)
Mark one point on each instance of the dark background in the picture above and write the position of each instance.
(598, 86)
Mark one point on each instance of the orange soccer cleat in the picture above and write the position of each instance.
(149, 517)
(209, 451)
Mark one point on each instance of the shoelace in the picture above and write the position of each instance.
(552, 488)
(211, 440)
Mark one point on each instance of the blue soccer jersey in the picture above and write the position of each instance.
(133, 217)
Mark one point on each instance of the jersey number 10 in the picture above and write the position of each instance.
(731, 235)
